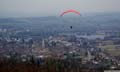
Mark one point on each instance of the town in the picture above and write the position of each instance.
(63, 52)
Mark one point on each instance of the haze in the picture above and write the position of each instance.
(29, 8)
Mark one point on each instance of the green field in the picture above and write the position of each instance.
(113, 50)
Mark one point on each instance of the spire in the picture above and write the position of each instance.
(43, 43)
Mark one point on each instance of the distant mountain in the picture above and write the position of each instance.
(87, 22)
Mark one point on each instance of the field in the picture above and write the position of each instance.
(113, 50)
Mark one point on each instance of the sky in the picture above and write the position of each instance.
(28, 8)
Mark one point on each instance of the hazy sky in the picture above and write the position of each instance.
(26, 8)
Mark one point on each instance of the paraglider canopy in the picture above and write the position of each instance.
(70, 11)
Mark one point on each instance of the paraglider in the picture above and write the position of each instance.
(71, 27)
(67, 12)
